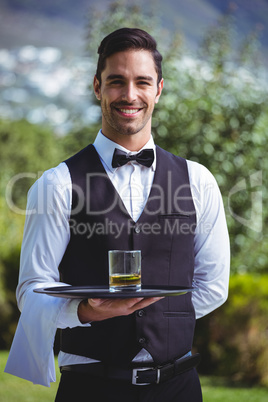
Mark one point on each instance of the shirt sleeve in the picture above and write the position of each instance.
(212, 248)
(46, 236)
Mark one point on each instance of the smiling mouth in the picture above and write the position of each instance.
(128, 111)
(131, 112)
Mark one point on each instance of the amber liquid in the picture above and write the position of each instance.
(126, 281)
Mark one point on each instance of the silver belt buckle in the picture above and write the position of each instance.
(135, 375)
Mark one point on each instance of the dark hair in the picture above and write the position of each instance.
(125, 39)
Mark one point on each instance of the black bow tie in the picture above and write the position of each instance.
(145, 158)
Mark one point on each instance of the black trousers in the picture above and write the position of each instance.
(83, 387)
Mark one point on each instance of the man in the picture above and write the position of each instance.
(103, 198)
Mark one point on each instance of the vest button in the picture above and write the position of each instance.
(140, 313)
(141, 340)
(137, 229)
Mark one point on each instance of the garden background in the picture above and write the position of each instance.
(214, 110)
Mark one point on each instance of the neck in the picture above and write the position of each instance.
(132, 142)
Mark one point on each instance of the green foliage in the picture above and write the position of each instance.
(120, 14)
(213, 110)
(75, 141)
(26, 150)
(26, 147)
(233, 339)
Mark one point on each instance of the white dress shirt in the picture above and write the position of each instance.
(46, 236)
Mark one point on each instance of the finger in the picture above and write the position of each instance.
(152, 299)
(96, 302)
(133, 301)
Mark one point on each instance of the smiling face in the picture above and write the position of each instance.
(128, 94)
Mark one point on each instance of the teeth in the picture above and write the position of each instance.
(129, 111)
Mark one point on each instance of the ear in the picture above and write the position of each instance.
(159, 90)
(96, 86)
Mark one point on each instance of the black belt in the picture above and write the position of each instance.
(138, 375)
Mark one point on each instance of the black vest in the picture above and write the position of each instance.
(165, 235)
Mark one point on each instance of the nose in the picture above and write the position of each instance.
(129, 93)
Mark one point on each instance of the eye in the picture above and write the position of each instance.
(116, 82)
(143, 83)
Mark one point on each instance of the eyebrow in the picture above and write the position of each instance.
(114, 77)
(145, 78)
(121, 77)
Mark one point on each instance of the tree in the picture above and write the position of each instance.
(26, 150)
(213, 110)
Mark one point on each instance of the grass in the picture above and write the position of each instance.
(13, 389)
(220, 390)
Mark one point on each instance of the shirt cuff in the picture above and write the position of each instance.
(68, 317)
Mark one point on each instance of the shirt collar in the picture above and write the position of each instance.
(105, 148)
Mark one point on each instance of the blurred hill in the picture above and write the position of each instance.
(45, 72)
(62, 23)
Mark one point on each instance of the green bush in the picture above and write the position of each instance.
(26, 150)
(233, 339)
(214, 109)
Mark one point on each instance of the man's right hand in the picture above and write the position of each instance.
(102, 309)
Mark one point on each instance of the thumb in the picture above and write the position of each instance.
(95, 302)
